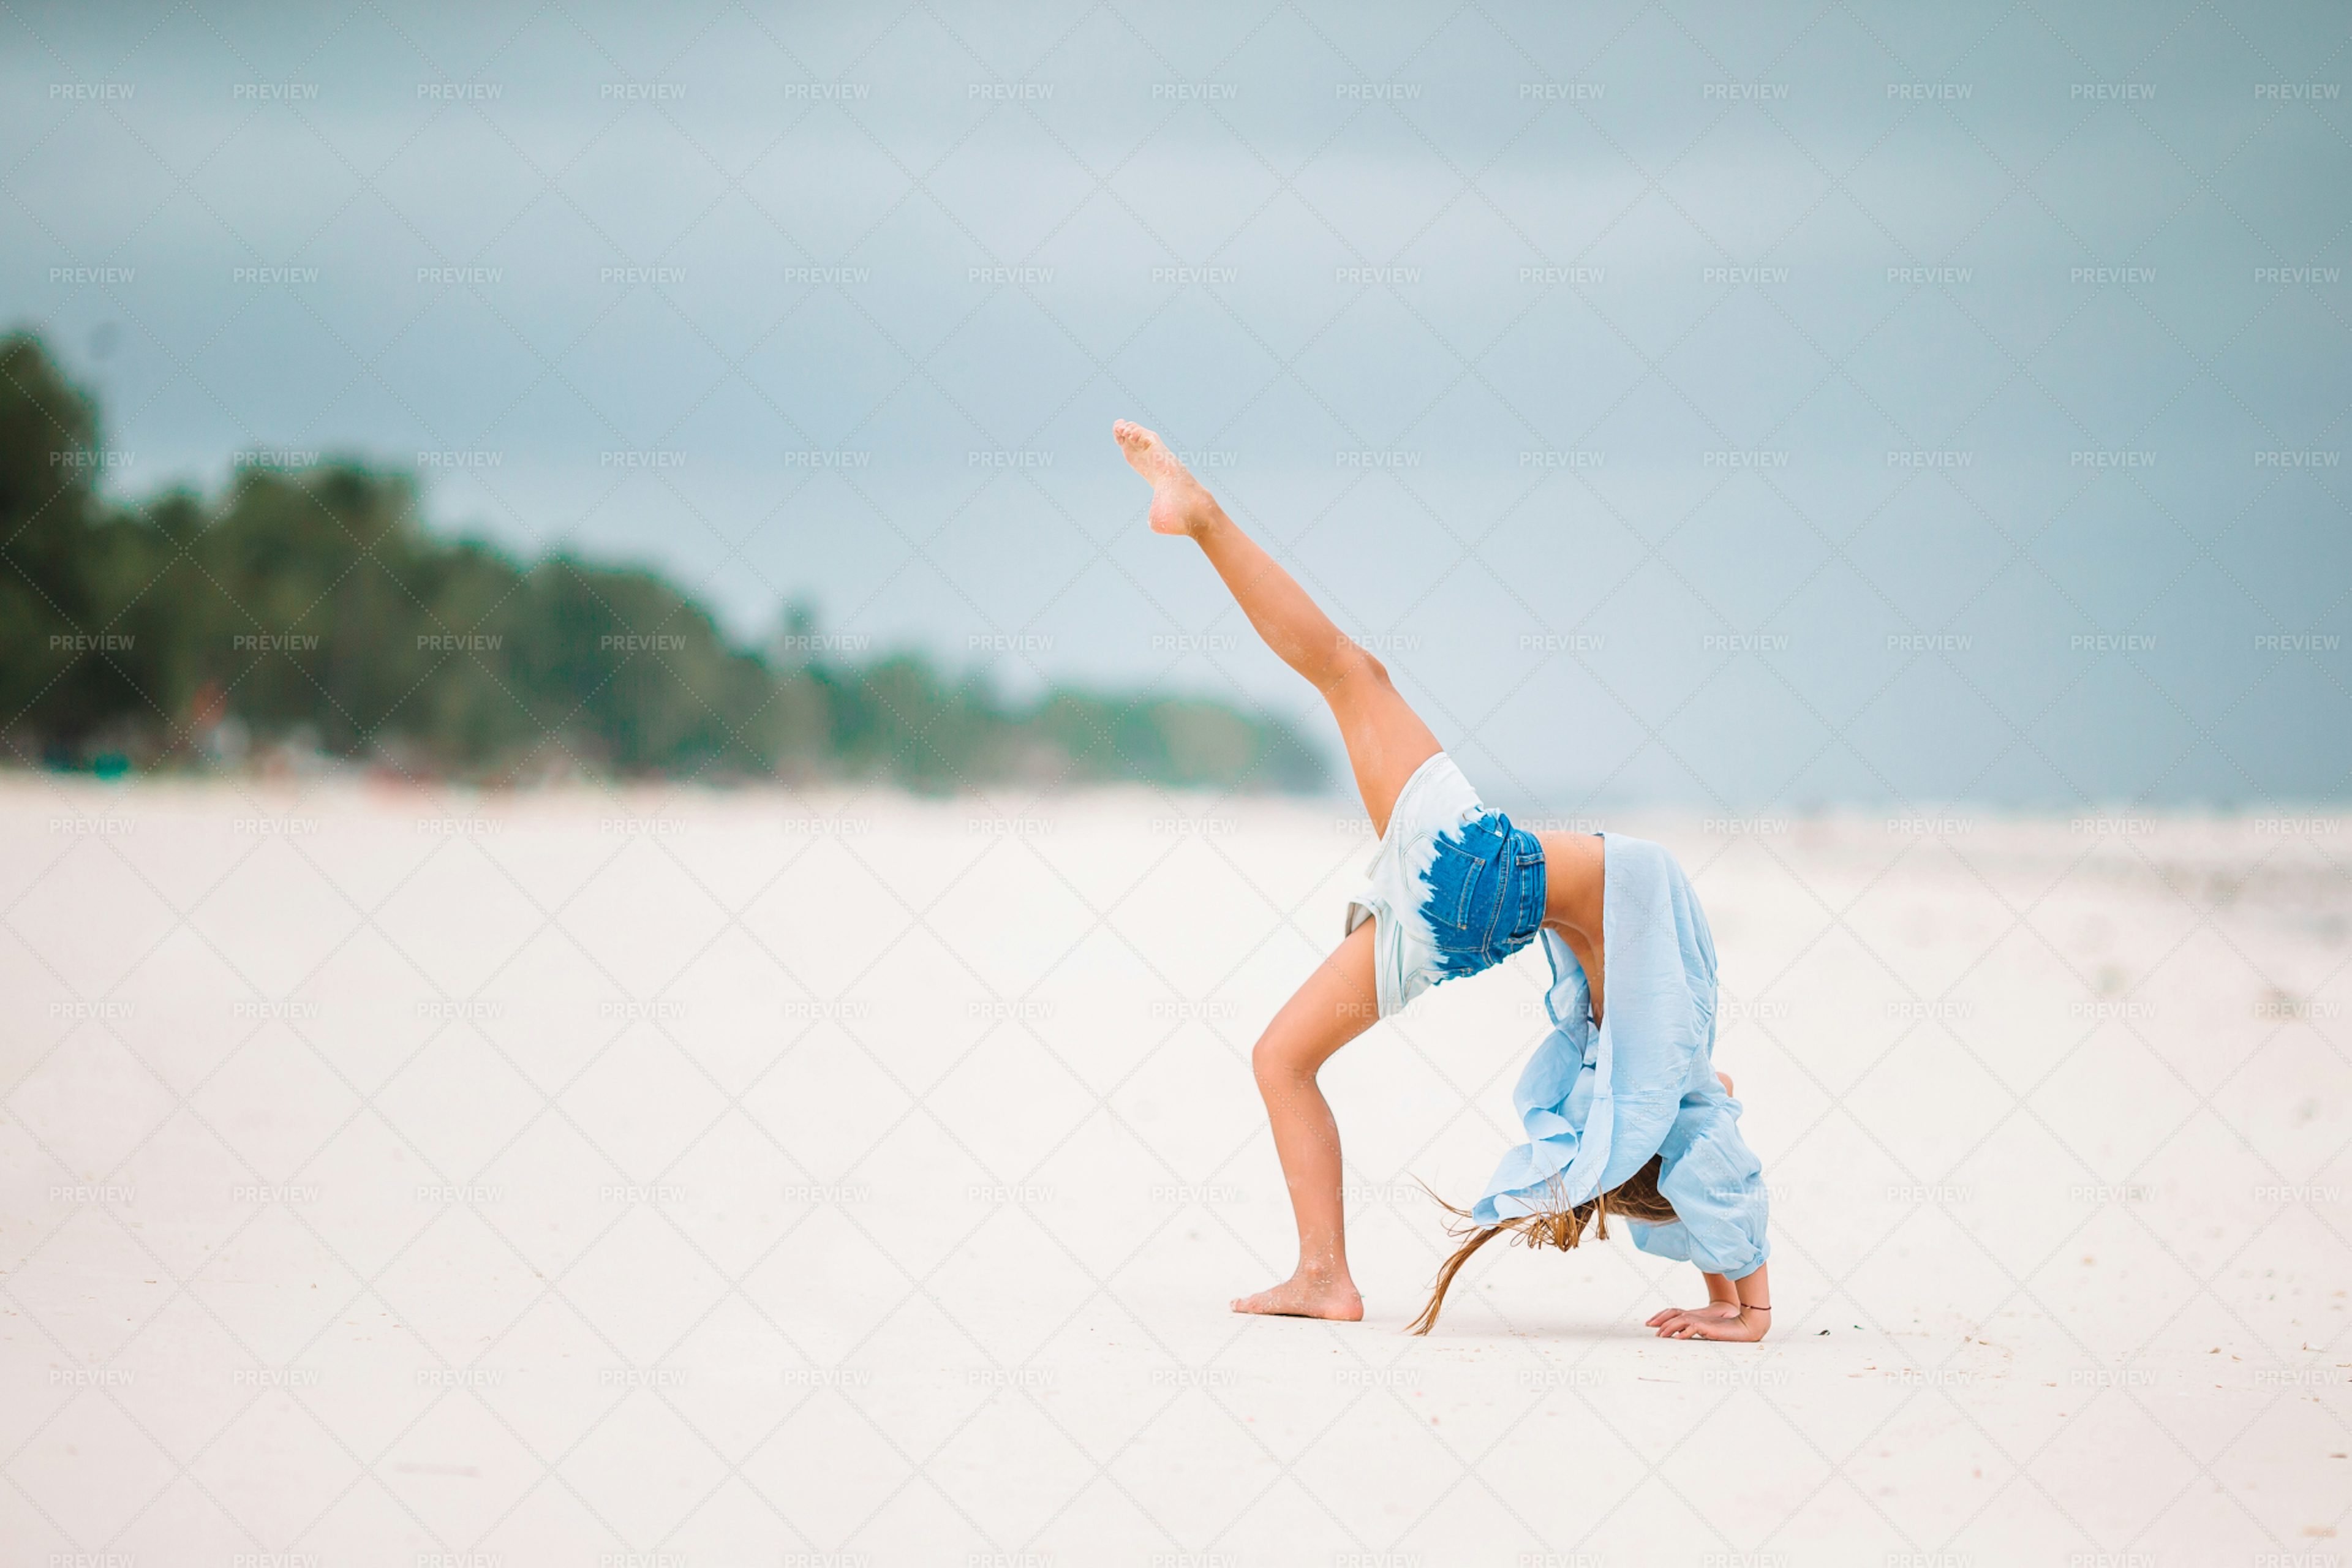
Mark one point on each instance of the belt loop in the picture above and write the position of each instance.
(1534, 884)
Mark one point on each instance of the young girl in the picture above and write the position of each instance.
(1622, 1108)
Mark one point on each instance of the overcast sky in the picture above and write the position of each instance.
(1749, 406)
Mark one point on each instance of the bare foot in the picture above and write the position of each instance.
(1301, 1296)
(1179, 504)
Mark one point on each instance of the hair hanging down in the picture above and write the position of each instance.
(1637, 1198)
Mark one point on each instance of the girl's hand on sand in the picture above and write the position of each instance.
(1705, 1323)
(1712, 1310)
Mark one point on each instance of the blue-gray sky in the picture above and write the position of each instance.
(1742, 407)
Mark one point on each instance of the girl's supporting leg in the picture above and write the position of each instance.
(1335, 1006)
(1386, 740)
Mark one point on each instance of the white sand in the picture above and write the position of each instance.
(671, 1178)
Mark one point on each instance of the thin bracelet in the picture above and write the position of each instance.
(1752, 1307)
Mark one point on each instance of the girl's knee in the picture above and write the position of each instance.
(1352, 664)
(1277, 1063)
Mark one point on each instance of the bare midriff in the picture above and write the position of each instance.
(1573, 885)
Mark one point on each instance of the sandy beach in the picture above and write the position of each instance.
(666, 1177)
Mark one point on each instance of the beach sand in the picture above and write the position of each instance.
(416, 1177)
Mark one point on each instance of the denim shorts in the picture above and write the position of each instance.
(1453, 887)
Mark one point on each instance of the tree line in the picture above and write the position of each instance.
(314, 608)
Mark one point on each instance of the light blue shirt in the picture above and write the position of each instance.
(1596, 1103)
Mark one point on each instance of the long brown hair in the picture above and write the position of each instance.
(1637, 1197)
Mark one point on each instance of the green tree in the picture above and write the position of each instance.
(54, 679)
(317, 604)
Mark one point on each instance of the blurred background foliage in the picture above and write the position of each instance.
(312, 613)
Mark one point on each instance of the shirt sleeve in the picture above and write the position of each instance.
(1595, 1102)
(1716, 1184)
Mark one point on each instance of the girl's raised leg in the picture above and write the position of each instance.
(1386, 740)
